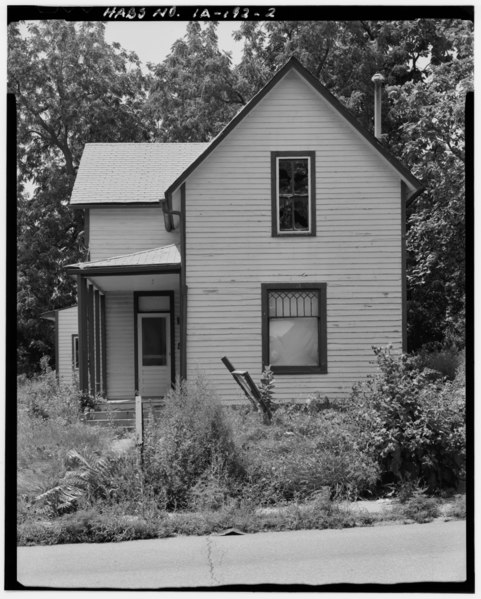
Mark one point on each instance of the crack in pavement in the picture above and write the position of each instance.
(213, 578)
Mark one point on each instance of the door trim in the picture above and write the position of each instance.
(170, 294)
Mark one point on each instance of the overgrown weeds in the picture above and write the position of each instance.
(205, 468)
(189, 447)
(302, 453)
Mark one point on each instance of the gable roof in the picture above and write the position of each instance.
(125, 173)
(414, 185)
(144, 173)
(167, 256)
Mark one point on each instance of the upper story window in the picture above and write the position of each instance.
(293, 193)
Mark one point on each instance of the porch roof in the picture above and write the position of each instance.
(156, 259)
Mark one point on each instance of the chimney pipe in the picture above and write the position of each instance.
(378, 80)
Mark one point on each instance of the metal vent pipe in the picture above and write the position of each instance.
(378, 80)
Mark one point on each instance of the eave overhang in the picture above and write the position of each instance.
(123, 270)
(83, 206)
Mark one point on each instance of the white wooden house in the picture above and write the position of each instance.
(281, 242)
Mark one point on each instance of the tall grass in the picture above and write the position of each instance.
(49, 425)
(189, 446)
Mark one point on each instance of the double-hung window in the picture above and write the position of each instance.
(293, 193)
(294, 327)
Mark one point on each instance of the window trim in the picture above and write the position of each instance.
(321, 288)
(312, 193)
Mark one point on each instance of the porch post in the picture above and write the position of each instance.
(103, 341)
(91, 345)
(97, 339)
(83, 332)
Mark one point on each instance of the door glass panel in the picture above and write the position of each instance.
(154, 303)
(154, 342)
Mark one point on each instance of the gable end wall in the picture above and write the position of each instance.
(230, 249)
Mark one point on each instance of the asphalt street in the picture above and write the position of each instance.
(432, 552)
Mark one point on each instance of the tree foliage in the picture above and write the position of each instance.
(430, 139)
(193, 92)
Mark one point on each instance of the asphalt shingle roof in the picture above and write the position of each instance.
(130, 172)
(168, 254)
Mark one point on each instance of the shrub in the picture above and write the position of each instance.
(189, 438)
(413, 426)
(420, 508)
(445, 360)
(44, 397)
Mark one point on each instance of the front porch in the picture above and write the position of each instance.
(130, 326)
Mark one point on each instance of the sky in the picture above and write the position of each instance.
(152, 40)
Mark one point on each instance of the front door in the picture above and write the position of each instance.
(154, 366)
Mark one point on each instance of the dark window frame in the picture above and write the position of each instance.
(311, 155)
(321, 288)
(75, 352)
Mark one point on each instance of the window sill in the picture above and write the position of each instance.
(293, 234)
(299, 369)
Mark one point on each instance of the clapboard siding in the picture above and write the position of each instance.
(67, 325)
(230, 250)
(118, 231)
(120, 345)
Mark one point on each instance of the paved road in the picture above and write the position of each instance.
(382, 554)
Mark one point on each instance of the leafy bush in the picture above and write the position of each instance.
(445, 360)
(413, 426)
(190, 437)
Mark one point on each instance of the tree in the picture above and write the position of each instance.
(430, 138)
(71, 87)
(194, 92)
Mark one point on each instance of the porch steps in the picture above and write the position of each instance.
(122, 413)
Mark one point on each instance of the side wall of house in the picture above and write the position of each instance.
(124, 230)
(67, 326)
(231, 251)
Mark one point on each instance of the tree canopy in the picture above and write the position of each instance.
(72, 87)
